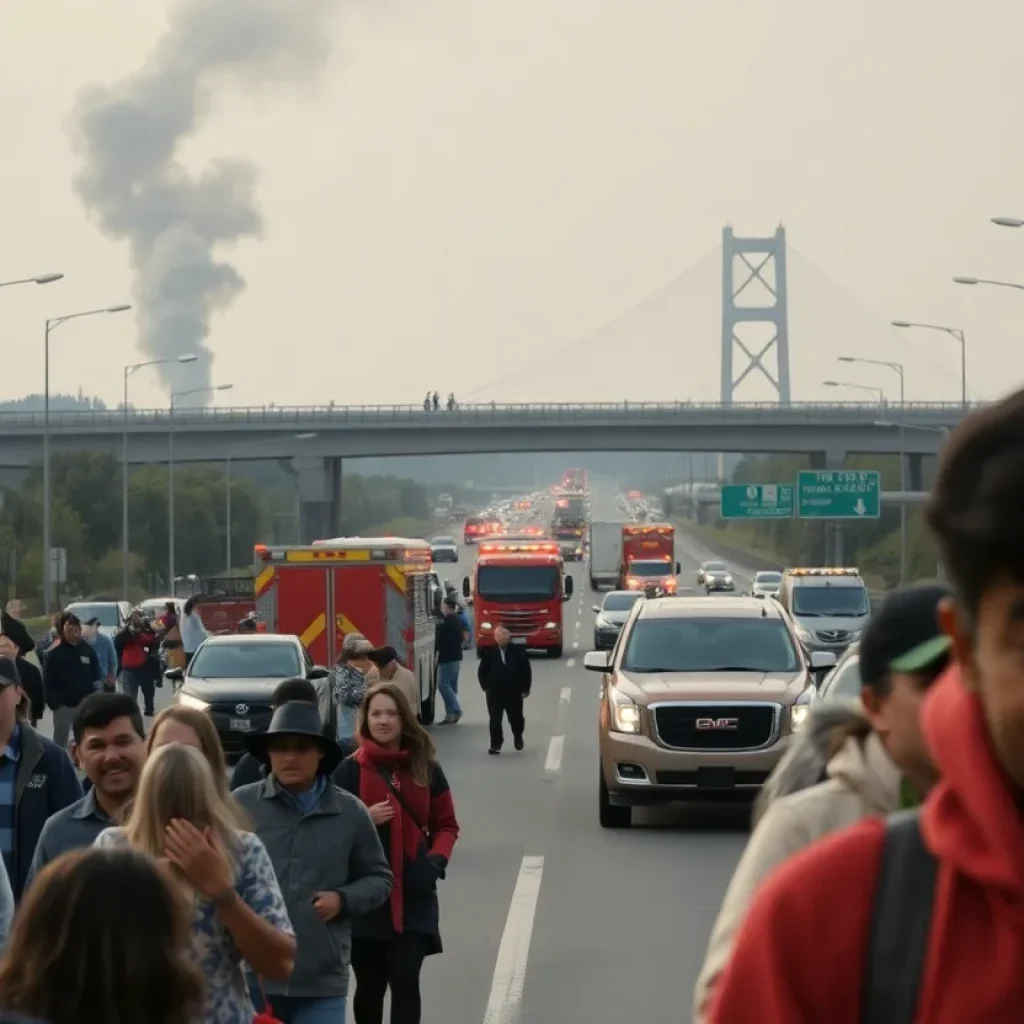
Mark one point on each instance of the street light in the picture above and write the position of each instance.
(308, 436)
(897, 368)
(38, 279)
(51, 325)
(128, 371)
(170, 471)
(879, 393)
(954, 332)
(1008, 222)
(988, 280)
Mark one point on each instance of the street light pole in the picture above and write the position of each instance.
(128, 371)
(954, 332)
(51, 325)
(227, 512)
(879, 393)
(170, 474)
(38, 279)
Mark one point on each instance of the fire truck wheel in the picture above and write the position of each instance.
(555, 652)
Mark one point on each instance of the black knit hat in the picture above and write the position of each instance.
(297, 718)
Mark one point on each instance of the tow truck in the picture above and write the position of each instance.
(381, 587)
(521, 585)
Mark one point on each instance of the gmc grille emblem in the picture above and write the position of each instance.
(705, 724)
(241, 709)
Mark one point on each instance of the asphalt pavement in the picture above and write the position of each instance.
(547, 918)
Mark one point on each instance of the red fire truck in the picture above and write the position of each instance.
(648, 558)
(521, 585)
(382, 587)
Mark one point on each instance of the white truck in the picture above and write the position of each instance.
(605, 554)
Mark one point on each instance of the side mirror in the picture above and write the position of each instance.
(822, 660)
(597, 608)
(679, 568)
(317, 672)
(175, 675)
(597, 661)
(465, 586)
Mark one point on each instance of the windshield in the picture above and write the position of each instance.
(443, 542)
(650, 569)
(246, 661)
(846, 681)
(715, 567)
(828, 601)
(764, 578)
(106, 613)
(710, 645)
(518, 582)
(620, 602)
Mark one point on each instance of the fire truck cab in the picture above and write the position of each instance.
(521, 585)
(382, 587)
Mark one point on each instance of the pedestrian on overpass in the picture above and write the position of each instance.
(448, 643)
(506, 676)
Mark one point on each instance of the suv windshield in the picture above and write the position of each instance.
(828, 601)
(650, 569)
(715, 567)
(106, 613)
(247, 661)
(710, 645)
(517, 582)
(764, 578)
(620, 602)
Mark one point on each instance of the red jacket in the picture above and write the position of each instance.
(800, 956)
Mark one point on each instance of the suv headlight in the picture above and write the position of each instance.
(798, 715)
(192, 702)
(727, 579)
(625, 715)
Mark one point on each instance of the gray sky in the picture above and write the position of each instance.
(470, 187)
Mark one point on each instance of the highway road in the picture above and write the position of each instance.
(547, 918)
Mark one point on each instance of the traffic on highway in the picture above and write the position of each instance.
(634, 730)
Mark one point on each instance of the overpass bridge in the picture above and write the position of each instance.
(319, 438)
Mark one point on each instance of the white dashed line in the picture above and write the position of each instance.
(505, 1003)
(575, 645)
(566, 695)
(555, 750)
(571, 663)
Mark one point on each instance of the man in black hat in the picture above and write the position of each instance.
(325, 850)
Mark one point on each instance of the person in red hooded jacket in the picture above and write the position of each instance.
(921, 918)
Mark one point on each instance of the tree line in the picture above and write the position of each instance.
(86, 516)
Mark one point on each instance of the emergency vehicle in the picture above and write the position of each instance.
(647, 559)
(521, 585)
(382, 587)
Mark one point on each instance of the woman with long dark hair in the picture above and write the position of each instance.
(102, 936)
(396, 774)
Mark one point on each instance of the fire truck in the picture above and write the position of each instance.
(382, 587)
(569, 520)
(222, 601)
(521, 585)
(574, 480)
(648, 558)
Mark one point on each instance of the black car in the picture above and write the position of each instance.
(611, 616)
(233, 678)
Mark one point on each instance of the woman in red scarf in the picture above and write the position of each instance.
(396, 774)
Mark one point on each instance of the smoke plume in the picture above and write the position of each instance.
(128, 137)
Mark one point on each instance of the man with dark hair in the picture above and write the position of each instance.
(249, 769)
(70, 673)
(919, 917)
(110, 747)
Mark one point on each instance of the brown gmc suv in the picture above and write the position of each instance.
(696, 701)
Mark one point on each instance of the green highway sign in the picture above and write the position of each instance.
(839, 494)
(756, 501)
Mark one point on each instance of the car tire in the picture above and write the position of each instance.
(609, 815)
(555, 652)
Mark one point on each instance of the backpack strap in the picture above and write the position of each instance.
(900, 923)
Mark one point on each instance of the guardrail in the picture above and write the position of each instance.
(283, 416)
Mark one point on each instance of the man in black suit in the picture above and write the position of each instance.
(505, 676)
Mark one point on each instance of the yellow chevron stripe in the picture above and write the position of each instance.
(318, 625)
(264, 580)
(396, 576)
(346, 625)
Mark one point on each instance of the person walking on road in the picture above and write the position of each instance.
(391, 670)
(70, 673)
(193, 632)
(326, 853)
(396, 774)
(505, 676)
(106, 653)
(135, 645)
(921, 917)
(110, 747)
(11, 625)
(349, 679)
(37, 779)
(448, 644)
(31, 678)
(874, 756)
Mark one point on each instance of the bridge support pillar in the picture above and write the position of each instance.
(915, 472)
(319, 497)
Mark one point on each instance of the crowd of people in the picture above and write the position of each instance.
(150, 891)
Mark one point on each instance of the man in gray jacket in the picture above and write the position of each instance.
(326, 854)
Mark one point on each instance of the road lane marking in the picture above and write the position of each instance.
(554, 760)
(506, 1000)
(575, 645)
(566, 695)
(571, 663)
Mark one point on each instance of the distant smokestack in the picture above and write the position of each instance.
(128, 138)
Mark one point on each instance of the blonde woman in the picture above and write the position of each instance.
(180, 818)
